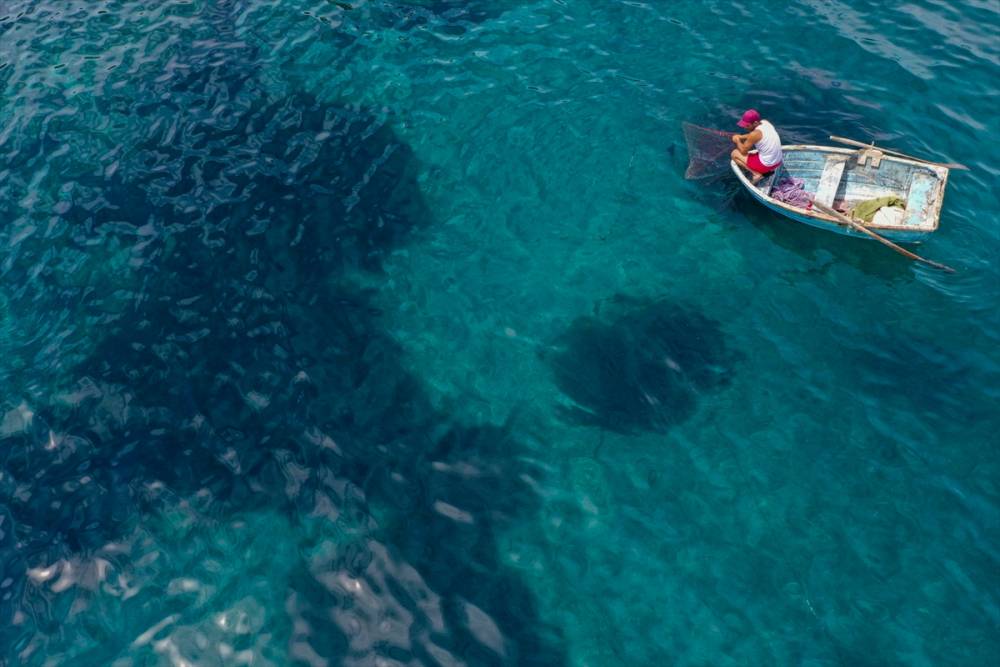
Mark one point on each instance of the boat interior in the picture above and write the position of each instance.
(841, 180)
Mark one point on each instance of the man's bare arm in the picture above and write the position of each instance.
(744, 142)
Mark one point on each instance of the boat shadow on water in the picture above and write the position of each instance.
(245, 372)
(816, 245)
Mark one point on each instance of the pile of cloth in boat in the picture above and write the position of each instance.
(792, 191)
(881, 210)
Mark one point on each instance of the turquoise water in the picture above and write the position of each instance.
(389, 333)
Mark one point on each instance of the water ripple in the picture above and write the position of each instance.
(388, 332)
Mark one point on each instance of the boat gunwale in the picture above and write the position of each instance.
(939, 170)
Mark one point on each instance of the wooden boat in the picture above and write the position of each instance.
(840, 178)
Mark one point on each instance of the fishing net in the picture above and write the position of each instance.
(708, 151)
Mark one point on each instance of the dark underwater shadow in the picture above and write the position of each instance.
(244, 353)
(639, 365)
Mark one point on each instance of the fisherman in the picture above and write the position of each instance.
(759, 150)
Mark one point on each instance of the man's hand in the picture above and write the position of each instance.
(740, 141)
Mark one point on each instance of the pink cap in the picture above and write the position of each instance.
(750, 116)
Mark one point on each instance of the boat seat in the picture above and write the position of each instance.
(829, 180)
(920, 197)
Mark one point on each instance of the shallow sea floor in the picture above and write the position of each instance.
(389, 333)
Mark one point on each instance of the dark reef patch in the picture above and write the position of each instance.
(639, 366)
(235, 366)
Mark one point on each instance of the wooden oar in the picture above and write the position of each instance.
(852, 142)
(878, 237)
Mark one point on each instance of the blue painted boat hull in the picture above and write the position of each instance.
(814, 221)
(855, 180)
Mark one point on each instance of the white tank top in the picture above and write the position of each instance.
(769, 146)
